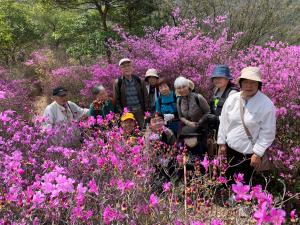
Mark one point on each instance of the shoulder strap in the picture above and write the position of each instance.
(160, 101)
(137, 78)
(228, 90)
(70, 109)
(243, 121)
(197, 99)
(120, 80)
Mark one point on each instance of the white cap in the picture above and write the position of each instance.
(151, 73)
(124, 60)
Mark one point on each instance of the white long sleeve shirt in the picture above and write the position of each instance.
(55, 113)
(259, 117)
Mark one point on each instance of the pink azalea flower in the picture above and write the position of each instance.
(110, 215)
(2, 94)
(241, 191)
(277, 216)
(261, 215)
(239, 178)
(222, 180)
(167, 186)
(93, 187)
(216, 222)
(38, 198)
(147, 114)
(205, 163)
(197, 223)
(293, 214)
(153, 200)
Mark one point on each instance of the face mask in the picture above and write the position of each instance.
(191, 142)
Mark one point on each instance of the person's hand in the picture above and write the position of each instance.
(255, 161)
(222, 151)
(203, 120)
(168, 117)
(193, 124)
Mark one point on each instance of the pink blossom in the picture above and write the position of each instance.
(2, 94)
(110, 215)
(153, 200)
(205, 163)
(197, 223)
(216, 222)
(261, 215)
(277, 216)
(167, 186)
(38, 198)
(241, 191)
(93, 187)
(293, 215)
(239, 178)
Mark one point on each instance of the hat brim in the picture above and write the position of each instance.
(124, 61)
(61, 93)
(221, 75)
(127, 118)
(247, 78)
(151, 75)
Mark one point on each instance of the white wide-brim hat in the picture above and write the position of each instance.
(123, 61)
(250, 73)
(151, 73)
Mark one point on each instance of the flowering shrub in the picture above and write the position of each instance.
(14, 94)
(108, 180)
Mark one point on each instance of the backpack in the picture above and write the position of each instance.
(196, 99)
(120, 81)
(217, 110)
(169, 103)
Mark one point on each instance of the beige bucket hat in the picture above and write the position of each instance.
(151, 73)
(250, 73)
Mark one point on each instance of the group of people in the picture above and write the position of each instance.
(242, 117)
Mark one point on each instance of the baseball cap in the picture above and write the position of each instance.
(127, 116)
(124, 60)
(59, 91)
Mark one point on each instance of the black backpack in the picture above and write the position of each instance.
(120, 80)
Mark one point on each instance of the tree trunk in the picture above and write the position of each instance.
(103, 16)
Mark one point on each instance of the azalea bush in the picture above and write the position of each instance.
(108, 179)
(15, 93)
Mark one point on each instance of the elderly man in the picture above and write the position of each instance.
(131, 92)
(61, 110)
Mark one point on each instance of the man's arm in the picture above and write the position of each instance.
(145, 96)
(117, 95)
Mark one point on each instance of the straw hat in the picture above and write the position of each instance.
(250, 73)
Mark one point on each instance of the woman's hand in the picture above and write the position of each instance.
(255, 161)
(193, 124)
(222, 150)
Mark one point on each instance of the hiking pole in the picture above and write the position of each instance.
(185, 184)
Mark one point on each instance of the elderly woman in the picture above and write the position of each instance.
(221, 79)
(166, 105)
(247, 125)
(151, 78)
(102, 105)
(192, 107)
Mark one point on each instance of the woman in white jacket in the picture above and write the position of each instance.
(247, 125)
